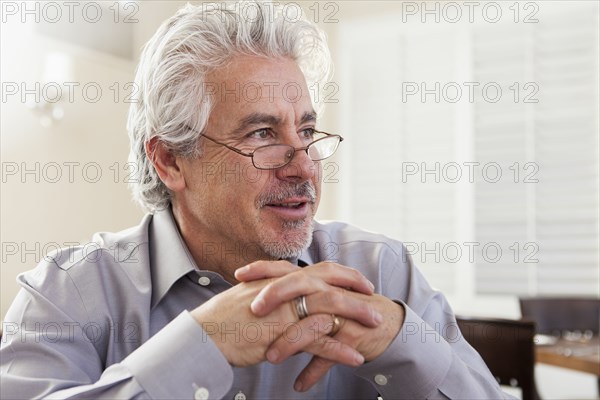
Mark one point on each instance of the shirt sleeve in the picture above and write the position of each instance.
(429, 358)
(180, 361)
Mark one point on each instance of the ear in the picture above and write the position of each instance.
(167, 164)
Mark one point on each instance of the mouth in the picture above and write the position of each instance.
(289, 202)
(295, 208)
(288, 205)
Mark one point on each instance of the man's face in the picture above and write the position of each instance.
(227, 201)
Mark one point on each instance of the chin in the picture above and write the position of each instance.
(290, 240)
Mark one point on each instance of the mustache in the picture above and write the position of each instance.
(285, 191)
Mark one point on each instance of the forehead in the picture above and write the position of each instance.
(250, 84)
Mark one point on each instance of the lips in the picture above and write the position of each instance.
(289, 204)
(288, 201)
(289, 209)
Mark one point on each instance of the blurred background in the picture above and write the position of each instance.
(472, 135)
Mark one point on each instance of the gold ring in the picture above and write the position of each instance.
(337, 324)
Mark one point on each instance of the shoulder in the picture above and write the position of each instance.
(381, 259)
(384, 261)
(346, 239)
(104, 247)
(72, 274)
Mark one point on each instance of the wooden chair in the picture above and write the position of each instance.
(555, 315)
(507, 348)
(558, 315)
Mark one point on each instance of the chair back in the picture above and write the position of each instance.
(554, 315)
(507, 348)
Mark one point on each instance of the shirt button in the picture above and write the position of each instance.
(204, 280)
(240, 396)
(381, 380)
(201, 394)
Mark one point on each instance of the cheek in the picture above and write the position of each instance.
(254, 181)
(238, 185)
(207, 186)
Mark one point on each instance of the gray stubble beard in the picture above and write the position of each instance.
(283, 249)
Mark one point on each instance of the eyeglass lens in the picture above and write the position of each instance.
(279, 155)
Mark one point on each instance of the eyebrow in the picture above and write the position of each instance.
(308, 117)
(258, 118)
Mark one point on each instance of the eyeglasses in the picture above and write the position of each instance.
(274, 156)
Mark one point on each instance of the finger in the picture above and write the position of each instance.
(312, 373)
(264, 269)
(342, 276)
(310, 335)
(338, 302)
(331, 273)
(305, 281)
(284, 289)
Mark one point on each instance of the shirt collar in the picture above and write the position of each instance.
(304, 259)
(170, 258)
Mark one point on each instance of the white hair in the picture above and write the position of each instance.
(170, 79)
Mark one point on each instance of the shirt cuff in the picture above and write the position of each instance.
(414, 364)
(181, 361)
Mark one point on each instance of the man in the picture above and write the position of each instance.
(229, 289)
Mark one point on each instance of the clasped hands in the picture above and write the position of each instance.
(257, 319)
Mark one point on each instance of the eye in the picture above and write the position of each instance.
(308, 133)
(263, 133)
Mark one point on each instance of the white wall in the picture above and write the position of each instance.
(375, 50)
(62, 201)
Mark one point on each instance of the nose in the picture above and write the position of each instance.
(300, 169)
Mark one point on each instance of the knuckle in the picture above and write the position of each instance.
(326, 324)
(368, 312)
(285, 264)
(356, 274)
(362, 308)
(271, 291)
(327, 267)
(331, 347)
(338, 300)
(302, 279)
(300, 274)
(333, 299)
(335, 267)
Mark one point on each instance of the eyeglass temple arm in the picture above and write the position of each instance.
(229, 147)
(330, 134)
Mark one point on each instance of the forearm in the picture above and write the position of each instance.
(174, 363)
(421, 363)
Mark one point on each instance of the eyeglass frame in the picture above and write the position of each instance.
(251, 154)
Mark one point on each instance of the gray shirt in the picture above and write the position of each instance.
(110, 320)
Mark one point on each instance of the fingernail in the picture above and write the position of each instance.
(377, 317)
(359, 359)
(273, 355)
(257, 305)
(298, 386)
(371, 285)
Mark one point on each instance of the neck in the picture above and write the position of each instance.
(217, 254)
